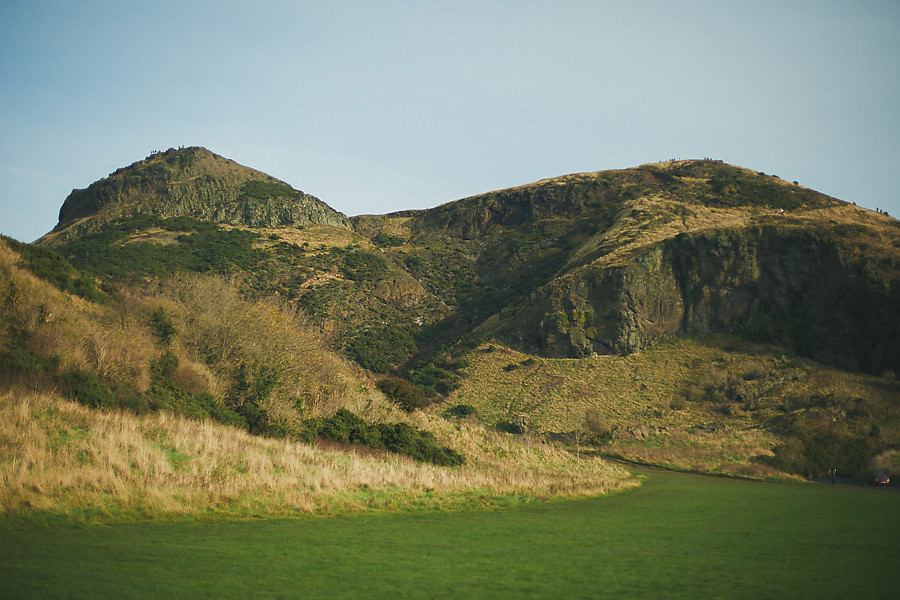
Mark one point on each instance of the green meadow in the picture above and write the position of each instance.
(678, 536)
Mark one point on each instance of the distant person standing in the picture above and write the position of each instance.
(833, 475)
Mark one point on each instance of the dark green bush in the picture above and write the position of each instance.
(163, 367)
(252, 387)
(262, 190)
(435, 379)
(386, 240)
(400, 438)
(89, 389)
(379, 349)
(510, 427)
(19, 362)
(162, 326)
(363, 266)
(813, 452)
(206, 249)
(403, 393)
(52, 267)
(461, 411)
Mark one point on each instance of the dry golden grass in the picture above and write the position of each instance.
(317, 236)
(82, 334)
(657, 406)
(63, 458)
(554, 394)
(215, 321)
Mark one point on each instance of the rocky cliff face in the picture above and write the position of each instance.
(805, 289)
(196, 183)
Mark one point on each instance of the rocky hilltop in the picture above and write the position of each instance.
(192, 182)
(612, 262)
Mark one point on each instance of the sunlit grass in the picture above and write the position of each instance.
(60, 458)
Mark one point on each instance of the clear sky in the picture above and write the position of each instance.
(386, 105)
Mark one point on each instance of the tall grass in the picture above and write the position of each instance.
(62, 458)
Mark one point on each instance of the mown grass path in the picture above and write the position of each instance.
(677, 536)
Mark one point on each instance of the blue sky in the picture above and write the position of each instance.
(375, 107)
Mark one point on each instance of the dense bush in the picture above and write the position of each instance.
(17, 362)
(435, 378)
(403, 393)
(379, 349)
(202, 248)
(162, 325)
(386, 240)
(363, 266)
(814, 453)
(262, 190)
(89, 389)
(52, 267)
(400, 438)
(461, 411)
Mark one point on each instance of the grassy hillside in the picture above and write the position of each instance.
(65, 461)
(184, 398)
(717, 404)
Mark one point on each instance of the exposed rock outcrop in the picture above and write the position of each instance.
(808, 289)
(197, 183)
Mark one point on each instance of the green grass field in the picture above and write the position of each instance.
(677, 536)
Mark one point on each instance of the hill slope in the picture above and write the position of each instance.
(186, 399)
(612, 262)
(576, 268)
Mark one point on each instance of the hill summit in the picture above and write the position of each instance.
(191, 182)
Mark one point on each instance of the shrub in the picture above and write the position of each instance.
(363, 266)
(89, 389)
(434, 379)
(52, 267)
(597, 427)
(386, 240)
(162, 368)
(208, 248)
(19, 362)
(379, 349)
(461, 411)
(510, 427)
(400, 438)
(403, 393)
(262, 190)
